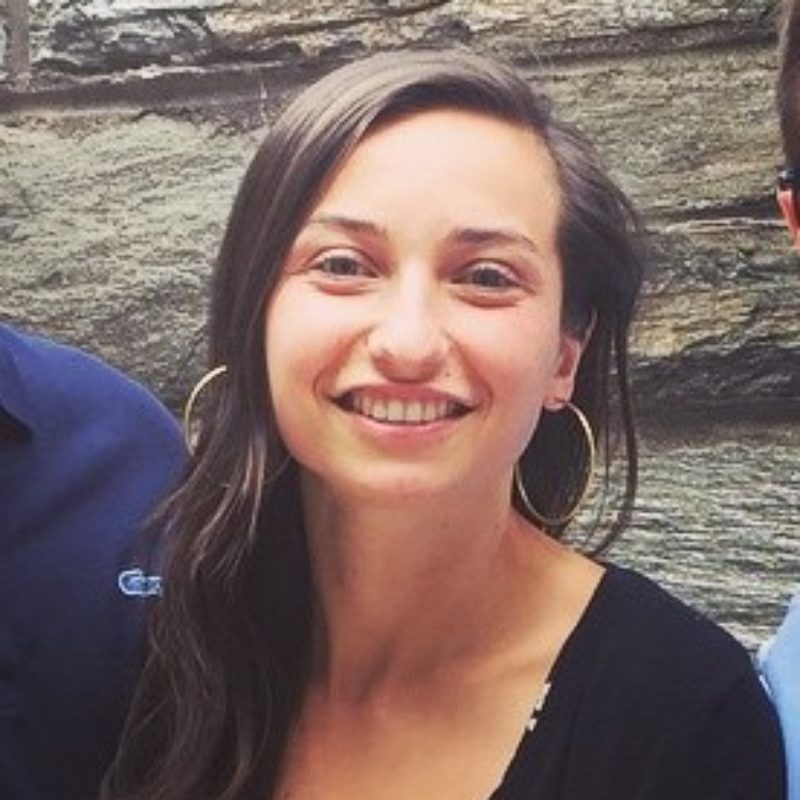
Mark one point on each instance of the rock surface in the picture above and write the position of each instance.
(716, 520)
(123, 148)
(90, 36)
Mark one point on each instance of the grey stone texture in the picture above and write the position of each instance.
(119, 160)
(89, 36)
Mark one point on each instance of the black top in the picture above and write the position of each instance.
(649, 701)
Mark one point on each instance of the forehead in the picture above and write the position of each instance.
(448, 162)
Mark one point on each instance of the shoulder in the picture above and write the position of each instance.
(640, 652)
(48, 385)
(88, 439)
(639, 625)
(651, 699)
(780, 667)
(782, 655)
(672, 693)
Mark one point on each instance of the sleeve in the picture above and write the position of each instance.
(780, 668)
(733, 751)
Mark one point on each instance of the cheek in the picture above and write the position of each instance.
(303, 345)
(516, 360)
(290, 333)
(287, 354)
(305, 334)
(519, 354)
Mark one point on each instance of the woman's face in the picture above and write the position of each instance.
(415, 334)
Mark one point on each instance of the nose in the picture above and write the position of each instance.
(409, 341)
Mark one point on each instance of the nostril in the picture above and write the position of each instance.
(408, 354)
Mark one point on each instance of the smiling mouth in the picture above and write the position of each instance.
(401, 412)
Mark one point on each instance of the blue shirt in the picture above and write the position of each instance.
(85, 454)
(780, 668)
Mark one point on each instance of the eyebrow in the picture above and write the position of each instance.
(348, 224)
(489, 236)
(463, 236)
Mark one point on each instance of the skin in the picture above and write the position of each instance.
(425, 285)
(786, 205)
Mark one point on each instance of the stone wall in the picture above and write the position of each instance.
(125, 126)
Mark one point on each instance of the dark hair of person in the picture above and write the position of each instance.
(230, 638)
(788, 89)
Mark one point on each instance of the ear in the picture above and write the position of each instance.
(789, 211)
(569, 359)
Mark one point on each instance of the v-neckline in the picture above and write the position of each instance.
(538, 715)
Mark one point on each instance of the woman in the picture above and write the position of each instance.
(422, 301)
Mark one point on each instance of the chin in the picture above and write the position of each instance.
(393, 486)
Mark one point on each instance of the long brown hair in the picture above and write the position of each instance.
(230, 637)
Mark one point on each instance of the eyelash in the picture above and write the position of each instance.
(507, 278)
(323, 263)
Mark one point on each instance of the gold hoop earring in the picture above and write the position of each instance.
(211, 375)
(563, 519)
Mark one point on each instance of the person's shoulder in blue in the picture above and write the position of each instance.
(85, 455)
(779, 662)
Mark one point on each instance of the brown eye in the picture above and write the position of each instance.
(340, 266)
(488, 276)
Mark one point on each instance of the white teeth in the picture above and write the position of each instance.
(378, 410)
(395, 411)
(414, 412)
(398, 411)
(429, 411)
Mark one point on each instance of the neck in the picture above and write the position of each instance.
(410, 593)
